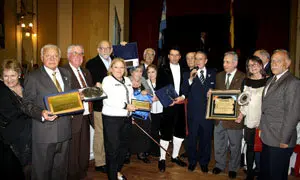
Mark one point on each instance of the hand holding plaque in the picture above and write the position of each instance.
(141, 105)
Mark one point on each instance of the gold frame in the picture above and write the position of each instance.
(213, 113)
(64, 103)
(141, 105)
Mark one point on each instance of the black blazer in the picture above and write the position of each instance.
(12, 118)
(268, 69)
(98, 72)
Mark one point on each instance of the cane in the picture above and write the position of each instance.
(150, 136)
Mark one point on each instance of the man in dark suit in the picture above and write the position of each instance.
(196, 85)
(173, 125)
(50, 135)
(228, 132)
(80, 143)
(148, 55)
(279, 118)
(265, 57)
(98, 67)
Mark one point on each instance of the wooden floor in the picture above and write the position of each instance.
(137, 170)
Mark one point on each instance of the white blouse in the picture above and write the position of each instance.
(157, 107)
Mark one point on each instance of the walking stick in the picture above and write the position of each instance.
(150, 136)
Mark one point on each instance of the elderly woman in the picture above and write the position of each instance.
(253, 84)
(116, 117)
(15, 126)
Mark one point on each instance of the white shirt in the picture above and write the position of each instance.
(157, 107)
(231, 76)
(175, 68)
(199, 73)
(116, 93)
(85, 104)
(106, 62)
(58, 76)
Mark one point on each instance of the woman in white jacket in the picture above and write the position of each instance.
(116, 117)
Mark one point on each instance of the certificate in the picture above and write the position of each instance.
(64, 103)
(223, 105)
(141, 105)
(166, 95)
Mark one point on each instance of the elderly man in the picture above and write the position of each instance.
(98, 67)
(80, 143)
(265, 57)
(149, 55)
(228, 133)
(279, 118)
(51, 134)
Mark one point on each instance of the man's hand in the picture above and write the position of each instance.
(179, 100)
(282, 145)
(98, 84)
(123, 43)
(239, 118)
(48, 116)
(209, 93)
(193, 74)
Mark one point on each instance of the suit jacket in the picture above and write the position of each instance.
(77, 119)
(280, 111)
(268, 69)
(12, 118)
(98, 72)
(37, 85)
(197, 94)
(234, 85)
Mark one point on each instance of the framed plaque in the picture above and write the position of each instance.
(223, 105)
(64, 103)
(93, 93)
(141, 105)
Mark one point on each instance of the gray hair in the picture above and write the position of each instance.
(233, 54)
(264, 53)
(148, 49)
(50, 46)
(73, 46)
(285, 52)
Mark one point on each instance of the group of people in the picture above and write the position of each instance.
(51, 146)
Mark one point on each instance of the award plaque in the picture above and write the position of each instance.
(64, 103)
(141, 105)
(93, 93)
(223, 105)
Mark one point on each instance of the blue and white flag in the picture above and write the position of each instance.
(163, 25)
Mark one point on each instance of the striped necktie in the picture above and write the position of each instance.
(58, 87)
(202, 76)
(227, 84)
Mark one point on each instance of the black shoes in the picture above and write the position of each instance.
(232, 174)
(216, 170)
(178, 162)
(204, 168)
(101, 169)
(162, 165)
(143, 158)
(191, 167)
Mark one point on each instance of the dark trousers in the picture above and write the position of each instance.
(155, 125)
(274, 163)
(79, 153)
(50, 160)
(116, 141)
(173, 123)
(199, 151)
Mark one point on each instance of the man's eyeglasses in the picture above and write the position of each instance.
(104, 48)
(77, 53)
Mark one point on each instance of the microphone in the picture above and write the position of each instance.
(194, 74)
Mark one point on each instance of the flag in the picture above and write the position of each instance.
(163, 25)
(231, 40)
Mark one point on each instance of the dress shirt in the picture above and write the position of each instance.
(230, 77)
(175, 68)
(198, 74)
(85, 104)
(106, 62)
(58, 76)
(277, 77)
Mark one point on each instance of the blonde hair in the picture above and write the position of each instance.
(114, 61)
(11, 64)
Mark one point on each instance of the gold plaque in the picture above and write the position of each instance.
(64, 103)
(141, 105)
(223, 105)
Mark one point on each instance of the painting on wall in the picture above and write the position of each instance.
(2, 34)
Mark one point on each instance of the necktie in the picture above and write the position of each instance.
(227, 84)
(83, 84)
(202, 76)
(272, 82)
(81, 79)
(58, 87)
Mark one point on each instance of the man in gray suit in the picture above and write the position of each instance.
(50, 133)
(279, 118)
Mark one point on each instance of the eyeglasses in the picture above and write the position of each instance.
(77, 53)
(104, 48)
(252, 65)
